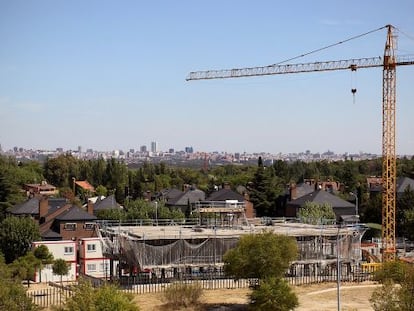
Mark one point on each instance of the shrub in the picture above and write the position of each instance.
(393, 270)
(273, 294)
(183, 295)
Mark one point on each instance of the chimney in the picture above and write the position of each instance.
(90, 207)
(43, 206)
(292, 192)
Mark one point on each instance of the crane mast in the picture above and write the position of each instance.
(388, 62)
(389, 166)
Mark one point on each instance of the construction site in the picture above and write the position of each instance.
(183, 251)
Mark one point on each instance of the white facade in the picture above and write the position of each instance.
(91, 259)
(90, 248)
(66, 250)
(98, 268)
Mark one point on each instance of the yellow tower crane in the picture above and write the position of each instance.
(389, 62)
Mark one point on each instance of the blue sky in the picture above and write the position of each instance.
(111, 75)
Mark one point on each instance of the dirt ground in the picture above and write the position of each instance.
(321, 297)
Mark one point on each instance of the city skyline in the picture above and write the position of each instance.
(112, 75)
(148, 150)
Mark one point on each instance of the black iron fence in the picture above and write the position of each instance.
(135, 285)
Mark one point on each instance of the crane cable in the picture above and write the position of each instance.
(329, 46)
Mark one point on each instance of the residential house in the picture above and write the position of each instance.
(57, 218)
(40, 189)
(101, 204)
(92, 262)
(186, 200)
(63, 249)
(340, 207)
(402, 183)
(226, 194)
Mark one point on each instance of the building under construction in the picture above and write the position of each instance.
(181, 250)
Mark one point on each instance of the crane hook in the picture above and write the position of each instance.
(353, 89)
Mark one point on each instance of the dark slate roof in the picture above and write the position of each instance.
(190, 196)
(106, 203)
(304, 189)
(55, 204)
(321, 197)
(51, 235)
(225, 194)
(75, 214)
(30, 207)
(403, 183)
(171, 193)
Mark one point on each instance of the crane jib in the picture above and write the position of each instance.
(352, 64)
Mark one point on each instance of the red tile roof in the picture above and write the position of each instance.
(85, 185)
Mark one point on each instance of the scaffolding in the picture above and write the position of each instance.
(180, 248)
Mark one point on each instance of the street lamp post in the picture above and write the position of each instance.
(356, 202)
(156, 213)
(338, 271)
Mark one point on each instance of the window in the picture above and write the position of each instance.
(70, 226)
(68, 250)
(91, 267)
(104, 267)
(89, 226)
(91, 247)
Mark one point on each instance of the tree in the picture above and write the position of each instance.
(260, 256)
(258, 191)
(314, 213)
(60, 170)
(101, 190)
(25, 267)
(405, 207)
(371, 211)
(274, 294)
(409, 224)
(13, 296)
(60, 267)
(45, 257)
(105, 298)
(16, 236)
(385, 298)
(265, 256)
(12, 177)
(396, 292)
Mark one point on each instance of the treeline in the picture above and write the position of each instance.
(266, 185)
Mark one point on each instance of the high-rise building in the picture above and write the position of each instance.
(143, 149)
(189, 149)
(154, 146)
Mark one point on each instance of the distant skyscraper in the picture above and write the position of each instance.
(154, 146)
(143, 149)
(189, 149)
